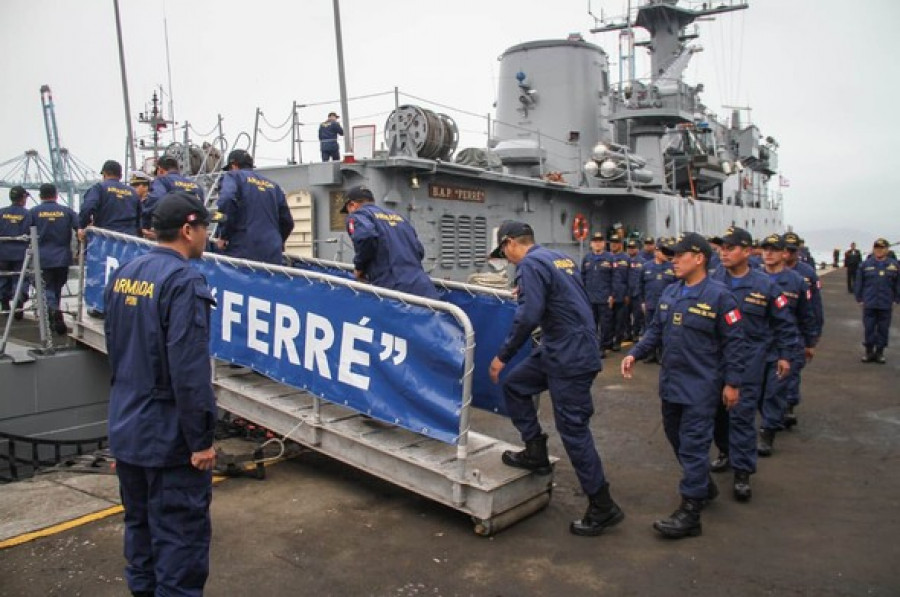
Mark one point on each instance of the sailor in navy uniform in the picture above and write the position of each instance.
(162, 410)
(596, 274)
(15, 220)
(795, 289)
(656, 275)
(388, 252)
(852, 259)
(168, 179)
(649, 251)
(55, 225)
(634, 320)
(619, 297)
(110, 204)
(328, 134)
(698, 324)
(771, 337)
(257, 218)
(877, 289)
(550, 294)
(793, 245)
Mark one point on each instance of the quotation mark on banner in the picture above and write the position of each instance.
(391, 343)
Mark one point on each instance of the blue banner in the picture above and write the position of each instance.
(397, 362)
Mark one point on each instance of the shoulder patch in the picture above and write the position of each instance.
(732, 317)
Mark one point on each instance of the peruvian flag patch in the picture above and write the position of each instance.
(819, 284)
(781, 301)
(808, 294)
(350, 226)
(732, 317)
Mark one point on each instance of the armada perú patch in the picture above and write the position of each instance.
(732, 317)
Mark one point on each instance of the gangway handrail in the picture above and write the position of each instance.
(457, 313)
(473, 289)
(31, 265)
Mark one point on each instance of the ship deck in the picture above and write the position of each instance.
(823, 520)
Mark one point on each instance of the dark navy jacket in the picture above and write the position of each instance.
(596, 274)
(15, 220)
(714, 262)
(770, 329)
(162, 185)
(811, 278)
(55, 224)
(551, 295)
(161, 404)
(328, 134)
(647, 256)
(621, 269)
(878, 283)
(654, 279)
(257, 218)
(113, 205)
(388, 251)
(701, 333)
(635, 272)
(796, 291)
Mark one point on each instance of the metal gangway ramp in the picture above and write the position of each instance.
(466, 474)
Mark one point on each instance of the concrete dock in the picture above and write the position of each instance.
(824, 519)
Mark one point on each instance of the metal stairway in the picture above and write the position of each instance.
(472, 480)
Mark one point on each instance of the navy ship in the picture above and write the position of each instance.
(569, 152)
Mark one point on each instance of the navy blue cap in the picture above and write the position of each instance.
(737, 237)
(360, 193)
(510, 229)
(773, 241)
(178, 208)
(691, 242)
(17, 193)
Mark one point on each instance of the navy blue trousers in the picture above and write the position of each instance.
(877, 323)
(8, 283)
(792, 382)
(167, 528)
(331, 152)
(572, 411)
(689, 429)
(54, 280)
(635, 318)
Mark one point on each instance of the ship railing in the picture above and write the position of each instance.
(646, 94)
(128, 247)
(30, 270)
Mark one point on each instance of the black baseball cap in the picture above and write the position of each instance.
(737, 237)
(632, 244)
(615, 238)
(17, 193)
(239, 157)
(649, 240)
(774, 241)
(791, 241)
(178, 208)
(330, 114)
(167, 162)
(881, 243)
(510, 229)
(47, 191)
(112, 167)
(597, 236)
(691, 243)
(359, 193)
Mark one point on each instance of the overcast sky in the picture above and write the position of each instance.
(820, 75)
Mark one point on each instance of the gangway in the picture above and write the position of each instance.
(466, 475)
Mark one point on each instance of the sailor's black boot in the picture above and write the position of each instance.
(684, 522)
(18, 311)
(58, 323)
(4, 306)
(602, 513)
(790, 419)
(870, 355)
(879, 356)
(766, 439)
(712, 492)
(742, 490)
(533, 457)
(720, 464)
